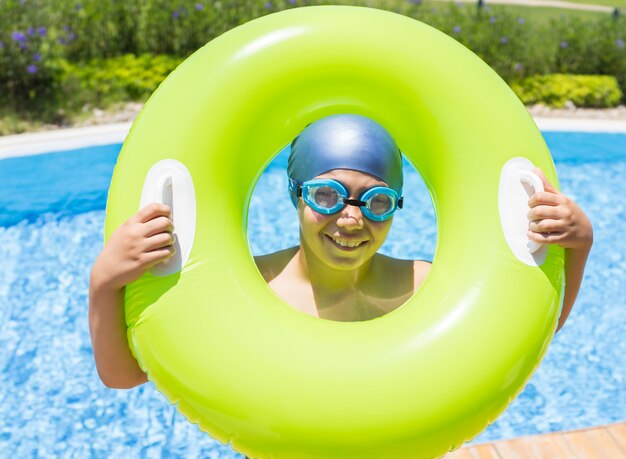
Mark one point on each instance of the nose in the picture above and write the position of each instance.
(351, 218)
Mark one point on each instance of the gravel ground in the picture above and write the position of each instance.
(130, 111)
(570, 111)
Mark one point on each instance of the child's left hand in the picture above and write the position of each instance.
(556, 219)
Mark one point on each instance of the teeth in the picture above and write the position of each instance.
(344, 243)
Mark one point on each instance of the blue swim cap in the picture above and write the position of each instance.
(345, 142)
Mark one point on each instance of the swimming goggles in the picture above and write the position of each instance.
(328, 196)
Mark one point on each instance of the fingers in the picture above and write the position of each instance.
(159, 241)
(152, 211)
(545, 238)
(546, 198)
(159, 255)
(157, 225)
(154, 219)
(546, 226)
(541, 212)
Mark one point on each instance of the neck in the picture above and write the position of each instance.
(325, 278)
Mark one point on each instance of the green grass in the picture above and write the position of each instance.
(537, 14)
(541, 15)
(612, 3)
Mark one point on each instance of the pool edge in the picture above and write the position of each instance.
(73, 138)
(62, 140)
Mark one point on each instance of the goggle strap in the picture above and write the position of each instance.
(355, 202)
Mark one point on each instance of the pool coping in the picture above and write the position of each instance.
(75, 138)
(608, 440)
(62, 140)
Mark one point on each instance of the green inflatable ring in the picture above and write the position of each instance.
(274, 382)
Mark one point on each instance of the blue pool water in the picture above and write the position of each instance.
(52, 403)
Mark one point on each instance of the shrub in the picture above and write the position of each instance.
(29, 58)
(593, 48)
(102, 82)
(583, 90)
(511, 45)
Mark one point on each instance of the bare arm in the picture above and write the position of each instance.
(140, 243)
(575, 261)
(116, 365)
(556, 219)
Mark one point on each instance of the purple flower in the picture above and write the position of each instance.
(504, 40)
(521, 21)
(492, 20)
(518, 67)
(62, 41)
(32, 69)
(1, 45)
(78, 7)
(415, 2)
(42, 31)
(175, 14)
(619, 43)
(31, 31)
(564, 44)
(36, 57)
(71, 36)
(293, 2)
(18, 36)
(66, 28)
(199, 6)
(268, 5)
(457, 29)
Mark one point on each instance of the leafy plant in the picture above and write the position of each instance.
(556, 90)
(102, 82)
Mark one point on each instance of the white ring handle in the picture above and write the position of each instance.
(169, 182)
(518, 183)
(164, 192)
(535, 182)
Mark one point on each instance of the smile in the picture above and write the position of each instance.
(346, 243)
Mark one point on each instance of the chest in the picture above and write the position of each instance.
(343, 305)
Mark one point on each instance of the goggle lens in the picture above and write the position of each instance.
(325, 196)
(381, 204)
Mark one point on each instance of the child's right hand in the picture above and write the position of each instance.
(141, 242)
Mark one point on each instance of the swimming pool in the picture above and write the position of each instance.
(52, 403)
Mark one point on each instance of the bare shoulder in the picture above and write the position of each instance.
(396, 268)
(272, 264)
(421, 268)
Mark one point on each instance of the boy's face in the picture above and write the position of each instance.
(347, 239)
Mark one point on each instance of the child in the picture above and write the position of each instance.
(345, 176)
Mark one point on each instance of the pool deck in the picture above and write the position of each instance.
(74, 138)
(603, 442)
